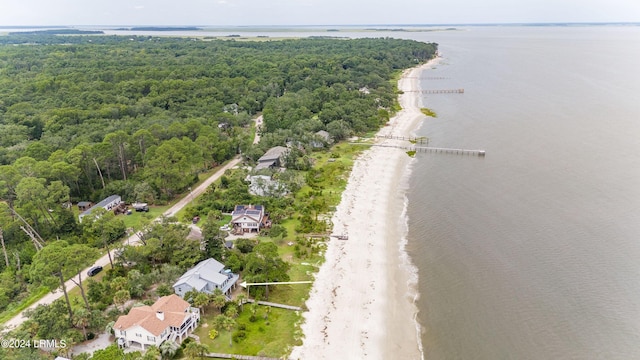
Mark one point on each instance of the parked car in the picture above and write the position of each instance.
(140, 206)
(94, 270)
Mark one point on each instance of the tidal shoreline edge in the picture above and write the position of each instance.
(362, 303)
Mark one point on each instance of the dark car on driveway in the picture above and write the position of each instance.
(94, 270)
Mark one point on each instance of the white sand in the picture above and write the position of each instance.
(362, 301)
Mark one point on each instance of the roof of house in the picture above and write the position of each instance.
(206, 271)
(253, 211)
(102, 204)
(273, 154)
(323, 134)
(265, 164)
(173, 308)
(108, 200)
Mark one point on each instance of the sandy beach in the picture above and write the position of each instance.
(362, 301)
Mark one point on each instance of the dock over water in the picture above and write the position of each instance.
(439, 91)
(428, 149)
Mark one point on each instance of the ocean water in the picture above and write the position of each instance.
(532, 252)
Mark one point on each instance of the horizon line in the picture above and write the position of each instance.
(556, 23)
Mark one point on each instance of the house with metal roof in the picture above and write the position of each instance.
(205, 277)
(273, 158)
(169, 318)
(108, 204)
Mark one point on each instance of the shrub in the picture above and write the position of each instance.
(239, 336)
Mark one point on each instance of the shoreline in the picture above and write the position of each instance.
(363, 300)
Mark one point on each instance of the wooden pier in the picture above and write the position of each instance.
(439, 91)
(427, 149)
(427, 77)
(415, 140)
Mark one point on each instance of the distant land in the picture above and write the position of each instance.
(58, 32)
(161, 28)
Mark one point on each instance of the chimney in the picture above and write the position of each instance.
(198, 275)
(160, 315)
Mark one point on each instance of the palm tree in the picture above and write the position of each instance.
(267, 311)
(168, 349)
(232, 311)
(152, 353)
(81, 318)
(241, 299)
(194, 350)
(218, 301)
(109, 327)
(201, 300)
(254, 308)
(224, 322)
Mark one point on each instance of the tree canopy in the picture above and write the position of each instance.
(85, 117)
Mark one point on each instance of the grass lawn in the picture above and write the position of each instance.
(270, 337)
(137, 220)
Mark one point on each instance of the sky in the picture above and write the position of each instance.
(312, 12)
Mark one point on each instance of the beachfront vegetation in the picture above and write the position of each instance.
(85, 117)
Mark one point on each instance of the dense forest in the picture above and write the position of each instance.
(84, 117)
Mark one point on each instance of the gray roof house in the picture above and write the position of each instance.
(107, 204)
(272, 158)
(205, 277)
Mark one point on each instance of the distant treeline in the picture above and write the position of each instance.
(58, 32)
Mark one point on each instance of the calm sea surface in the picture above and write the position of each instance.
(534, 251)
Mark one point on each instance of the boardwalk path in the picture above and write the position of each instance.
(275, 305)
(239, 357)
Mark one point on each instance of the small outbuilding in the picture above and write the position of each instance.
(84, 205)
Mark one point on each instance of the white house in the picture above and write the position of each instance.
(170, 318)
(248, 218)
(205, 277)
(108, 204)
(263, 185)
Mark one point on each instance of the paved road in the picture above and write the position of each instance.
(132, 240)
